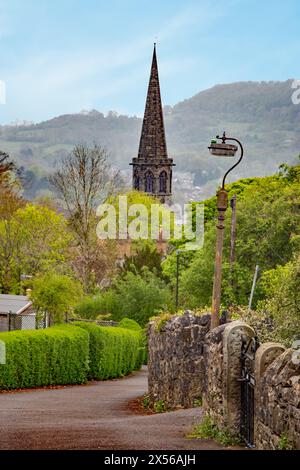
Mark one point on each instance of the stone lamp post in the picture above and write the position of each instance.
(221, 150)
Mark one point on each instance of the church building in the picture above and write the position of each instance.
(152, 168)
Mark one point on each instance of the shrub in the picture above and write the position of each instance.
(130, 324)
(55, 356)
(90, 307)
(133, 325)
(207, 429)
(140, 296)
(159, 406)
(114, 351)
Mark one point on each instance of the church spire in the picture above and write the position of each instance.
(152, 168)
(153, 140)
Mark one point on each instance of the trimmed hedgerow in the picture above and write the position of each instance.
(55, 356)
(130, 324)
(114, 351)
(133, 325)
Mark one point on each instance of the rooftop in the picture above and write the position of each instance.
(14, 303)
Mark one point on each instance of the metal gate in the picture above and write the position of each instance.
(247, 390)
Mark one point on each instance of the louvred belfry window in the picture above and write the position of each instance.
(163, 182)
(149, 182)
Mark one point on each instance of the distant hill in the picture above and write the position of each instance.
(261, 115)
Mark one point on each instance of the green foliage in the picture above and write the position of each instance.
(114, 351)
(129, 324)
(55, 294)
(146, 402)
(55, 356)
(207, 429)
(267, 234)
(277, 316)
(141, 296)
(282, 291)
(89, 308)
(144, 254)
(136, 296)
(160, 321)
(147, 201)
(133, 325)
(260, 321)
(198, 402)
(159, 406)
(285, 442)
(33, 240)
(69, 354)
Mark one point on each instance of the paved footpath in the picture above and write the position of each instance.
(93, 416)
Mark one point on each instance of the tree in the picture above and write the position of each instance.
(267, 235)
(83, 182)
(282, 303)
(6, 166)
(144, 254)
(140, 296)
(9, 187)
(33, 240)
(136, 296)
(55, 295)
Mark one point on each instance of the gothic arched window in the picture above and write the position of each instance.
(149, 182)
(163, 182)
(136, 181)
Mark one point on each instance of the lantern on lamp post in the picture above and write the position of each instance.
(222, 149)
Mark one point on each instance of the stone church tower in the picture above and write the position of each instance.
(152, 169)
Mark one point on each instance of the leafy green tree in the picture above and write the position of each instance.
(267, 235)
(140, 296)
(55, 295)
(144, 254)
(94, 306)
(33, 240)
(135, 296)
(282, 303)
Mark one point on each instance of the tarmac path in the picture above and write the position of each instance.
(94, 416)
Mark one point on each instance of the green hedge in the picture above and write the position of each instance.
(58, 355)
(133, 325)
(130, 324)
(114, 351)
(69, 354)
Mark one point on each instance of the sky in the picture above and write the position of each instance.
(63, 56)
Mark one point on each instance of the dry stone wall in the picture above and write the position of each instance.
(188, 361)
(277, 399)
(175, 360)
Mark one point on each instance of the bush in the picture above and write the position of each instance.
(133, 325)
(55, 356)
(114, 351)
(129, 324)
(208, 429)
(89, 308)
(139, 297)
